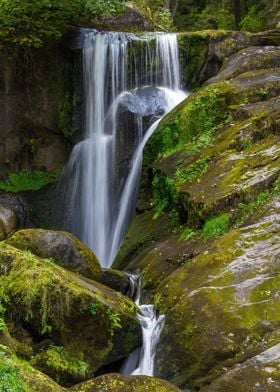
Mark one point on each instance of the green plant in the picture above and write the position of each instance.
(25, 23)
(216, 226)
(46, 329)
(10, 376)
(246, 143)
(263, 92)
(253, 21)
(165, 194)
(114, 319)
(94, 308)
(192, 172)
(4, 300)
(247, 209)
(28, 180)
(104, 8)
(187, 233)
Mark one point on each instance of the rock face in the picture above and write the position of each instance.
(12, 214)
(212, 169)
(67, 325)
(32, 111)
(62, 247)
(118, 383)
(204, 52)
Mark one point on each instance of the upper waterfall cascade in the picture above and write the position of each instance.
(127, 80)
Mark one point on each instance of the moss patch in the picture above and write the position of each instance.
(28, 180)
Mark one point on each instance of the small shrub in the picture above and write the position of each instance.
(10, 376)
(216, 226)
(253, 21)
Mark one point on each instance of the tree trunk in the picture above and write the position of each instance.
(237, 13)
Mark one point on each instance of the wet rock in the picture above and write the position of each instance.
(62, 247)
(116, 280)
(76, 325)
(119, 383)
(259, 373)
(252, 58)
(223, 305)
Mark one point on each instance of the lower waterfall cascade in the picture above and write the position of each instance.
(100, 194)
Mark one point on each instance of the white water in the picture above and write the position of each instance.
(142, 362)
(98, 199)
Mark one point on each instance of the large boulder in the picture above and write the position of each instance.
(75, 325)
(259, 373)
(12, 214)
(60, 246)
(223, 305)
(119, 383)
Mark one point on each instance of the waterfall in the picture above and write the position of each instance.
(98, 192)
(128, 88)
(142, 362)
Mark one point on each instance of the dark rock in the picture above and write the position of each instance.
(116, 280)
(62, 247)
(77, 326)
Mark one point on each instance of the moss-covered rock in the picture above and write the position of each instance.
(62, 247)
(252, 58)
(189, 176)
(77, 325)
(222, 306)
(118, 383)
(258, 373)
(144, 231)
(203, 53)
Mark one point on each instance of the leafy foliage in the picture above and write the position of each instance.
(253, 21)
(216, 226)
(10, 377)
(192, 172)
(26, 23)
(165, 194)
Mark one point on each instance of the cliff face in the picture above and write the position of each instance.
(36, 104)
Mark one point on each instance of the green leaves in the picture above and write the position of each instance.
(25, 23)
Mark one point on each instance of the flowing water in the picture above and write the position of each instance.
(142, 362)
(130, 83)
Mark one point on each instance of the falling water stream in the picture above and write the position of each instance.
(130, 83)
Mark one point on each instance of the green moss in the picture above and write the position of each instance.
(60, 363)
(193, 121)
(28, 180)
(192, 172)
(11, 379)
(215, 227)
